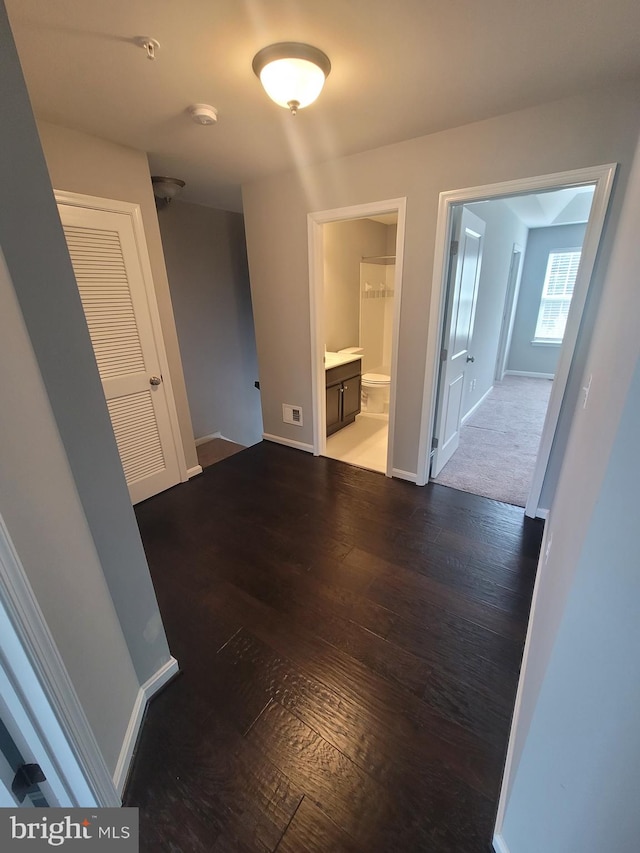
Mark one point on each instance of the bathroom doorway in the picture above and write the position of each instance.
(355, 279)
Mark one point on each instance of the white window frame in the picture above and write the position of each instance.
(543, 340)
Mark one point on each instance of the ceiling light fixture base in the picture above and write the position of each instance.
(150, 45)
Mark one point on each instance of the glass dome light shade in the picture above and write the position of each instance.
(292, 80)
(292, 74)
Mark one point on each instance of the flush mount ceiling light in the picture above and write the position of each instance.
(164, 189)
(292, 73)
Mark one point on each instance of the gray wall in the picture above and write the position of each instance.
(523, 355)
(63, 491)
(503, 229)
(579, 667)
(579, 775)
(85, 164)
(345, 244)
(40, 506)
(205, 254)
(592, 128)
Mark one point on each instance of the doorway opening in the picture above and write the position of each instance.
(355, 279)
(512, 289)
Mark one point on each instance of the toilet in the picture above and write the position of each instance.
(375, 386)
(375, 392)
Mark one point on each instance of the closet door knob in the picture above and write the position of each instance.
(155, 380)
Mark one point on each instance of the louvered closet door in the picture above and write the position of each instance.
(112, 288)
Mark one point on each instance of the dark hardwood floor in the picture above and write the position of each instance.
(350, 648)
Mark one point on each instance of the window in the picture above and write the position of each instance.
(562, 268)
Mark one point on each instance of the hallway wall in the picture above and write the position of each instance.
(206, 257)
(592, 128)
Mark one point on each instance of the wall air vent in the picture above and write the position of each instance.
(292, 414)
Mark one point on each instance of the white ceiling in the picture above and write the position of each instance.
(558, 207)
(399, 70)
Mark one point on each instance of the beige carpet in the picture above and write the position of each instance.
(499, 442)
(218, 448)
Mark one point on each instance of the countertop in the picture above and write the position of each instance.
(335, 359)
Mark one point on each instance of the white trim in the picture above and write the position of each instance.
(542, 513)
(590, 246)
(529, 374)
(602, 177)
(205, 438)
(25, 720)
(123, 764)
(166, 672)
(288, 442)
(476, 406)
(161, 677)
(515, 719)
(499, 844)
(134, 212)
(315, 240)
(404, 475)
(193, 472)
(38, 644)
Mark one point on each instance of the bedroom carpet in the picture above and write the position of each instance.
(499, 442)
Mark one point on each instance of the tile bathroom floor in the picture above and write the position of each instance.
(362, 443)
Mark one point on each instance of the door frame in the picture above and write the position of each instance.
(602, 177)
(134, 213)
(315, 234)
(509, 312)
(42, 699)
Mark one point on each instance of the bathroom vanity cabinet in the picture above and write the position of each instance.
(343, 394)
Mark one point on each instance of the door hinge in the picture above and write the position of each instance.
(443, 354)
(454, 247)
(434, 443)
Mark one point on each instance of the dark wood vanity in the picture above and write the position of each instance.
(343, 394)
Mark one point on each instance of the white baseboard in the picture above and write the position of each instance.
(476, 405)
(527, 373)
(148, 689)
(404, 475)
(499, 844)
(288, 442)
(193, 472)
(542, 513)
(205, 438)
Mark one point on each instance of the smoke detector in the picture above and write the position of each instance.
(203, 113)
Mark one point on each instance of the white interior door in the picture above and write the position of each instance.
(462, 295)
(118, 299)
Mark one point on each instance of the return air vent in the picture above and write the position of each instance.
(292, 414)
